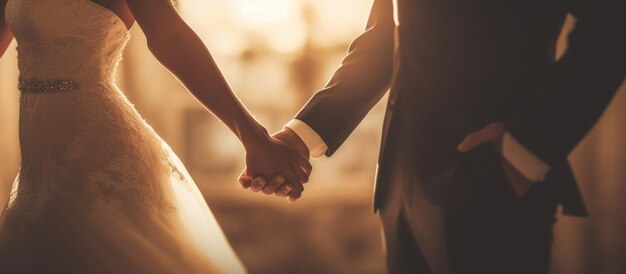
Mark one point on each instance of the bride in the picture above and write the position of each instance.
(98, 190)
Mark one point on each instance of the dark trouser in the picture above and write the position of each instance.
(511, 236)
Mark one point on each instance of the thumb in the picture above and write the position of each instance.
(244, 179)
(487, 134)
(470, 142)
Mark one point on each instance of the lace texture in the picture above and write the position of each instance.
(95, 176)
(96, 147)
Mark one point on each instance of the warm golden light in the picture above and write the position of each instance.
(263, 13)
(276, 54)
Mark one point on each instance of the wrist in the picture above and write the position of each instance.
(291, 138)
(253, 135)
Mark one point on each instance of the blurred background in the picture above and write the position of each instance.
(275, 54)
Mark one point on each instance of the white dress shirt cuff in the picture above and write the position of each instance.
(527, 163)
(311, 139)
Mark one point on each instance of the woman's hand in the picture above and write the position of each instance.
(278, 184)
(270, 158)
(166, 33)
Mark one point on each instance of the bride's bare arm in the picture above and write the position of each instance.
(181, 51)
(5, 34)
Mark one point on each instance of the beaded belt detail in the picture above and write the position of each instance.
(46, 86)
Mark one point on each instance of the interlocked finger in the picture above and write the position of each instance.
(274, 184)
(258, 184)
(284, 190)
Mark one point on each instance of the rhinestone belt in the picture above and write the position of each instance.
(46, 86)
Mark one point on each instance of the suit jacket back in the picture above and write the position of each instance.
(455, 66)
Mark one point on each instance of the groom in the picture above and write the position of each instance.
(483, 202)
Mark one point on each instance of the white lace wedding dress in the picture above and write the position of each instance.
(98, 190)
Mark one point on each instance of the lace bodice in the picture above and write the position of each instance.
(80, 137)
(66, 39)
(96, 185)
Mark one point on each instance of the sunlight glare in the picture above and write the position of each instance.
(263, 13)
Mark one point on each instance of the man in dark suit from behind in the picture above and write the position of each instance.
(479, 122)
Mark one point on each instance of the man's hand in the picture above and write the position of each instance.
(292, 139)
(278, 185)
(494, 133)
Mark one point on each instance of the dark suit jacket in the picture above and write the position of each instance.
(454, 66)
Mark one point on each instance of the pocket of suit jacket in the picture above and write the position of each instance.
(481, 178)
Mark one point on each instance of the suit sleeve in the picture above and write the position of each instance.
(581, 85)
(360, 82)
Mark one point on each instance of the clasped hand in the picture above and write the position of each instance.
(284, 160)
